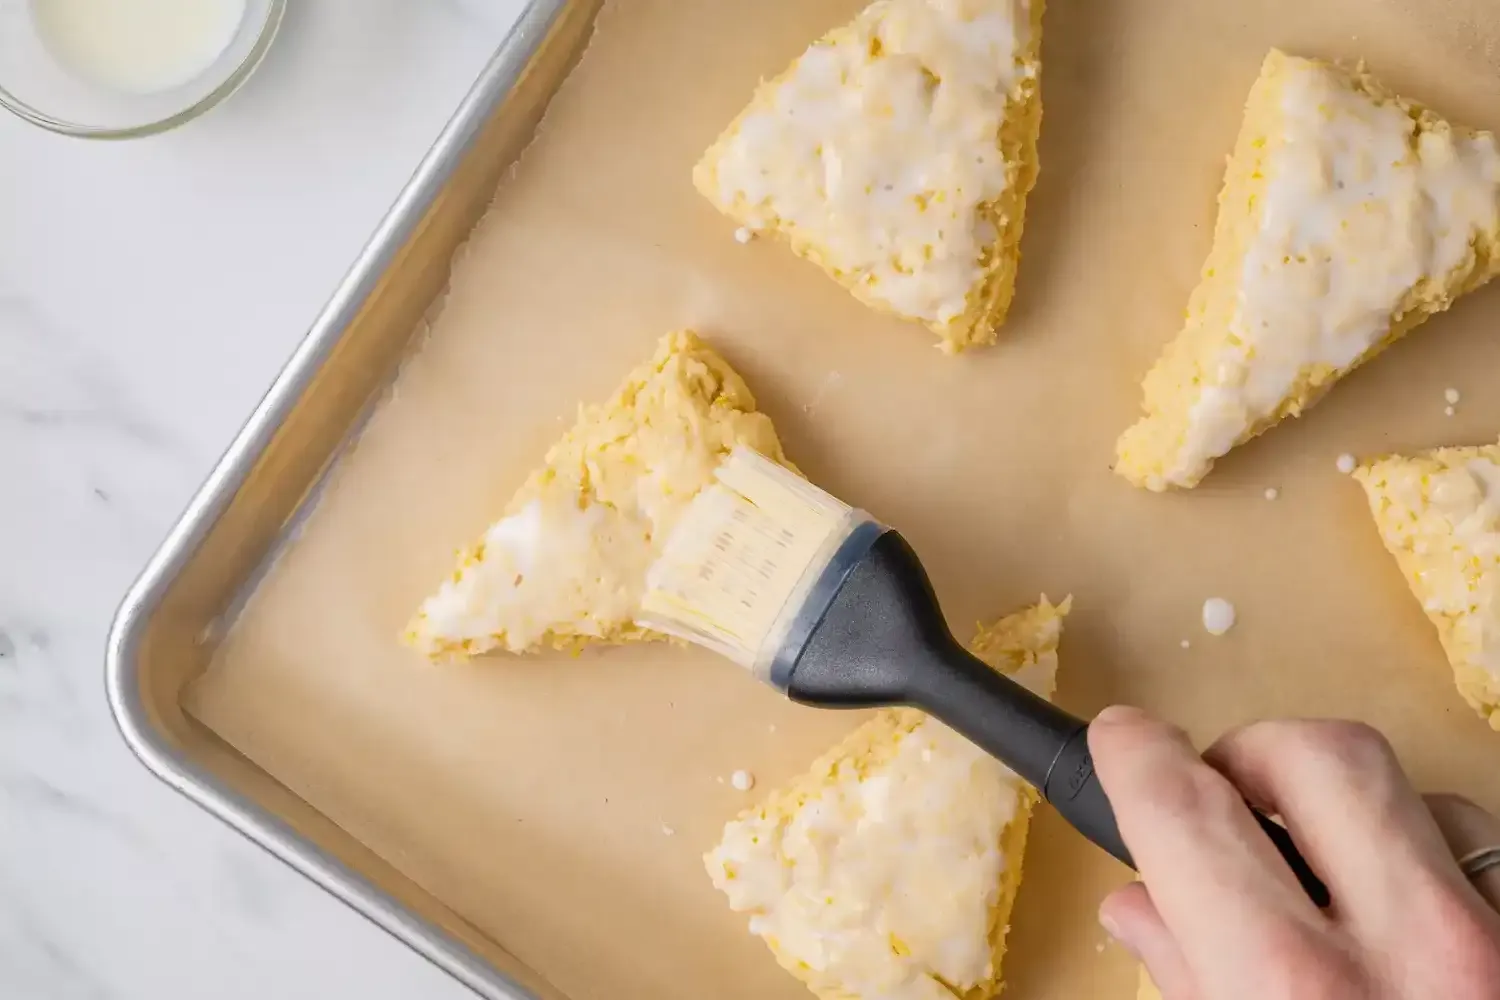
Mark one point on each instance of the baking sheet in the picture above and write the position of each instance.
(531, 796)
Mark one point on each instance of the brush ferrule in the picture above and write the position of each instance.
(805, 611)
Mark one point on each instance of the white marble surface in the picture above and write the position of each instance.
(149, 292)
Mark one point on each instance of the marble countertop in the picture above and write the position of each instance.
(149, 292)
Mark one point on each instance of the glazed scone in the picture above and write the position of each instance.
(1348, 216)
(1439, 515)
(897, 153)
(567, 563)
(888, 870)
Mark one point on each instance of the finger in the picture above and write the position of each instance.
(1132, 920)
(1467, 828)
(1217, 882)
(1350, 808)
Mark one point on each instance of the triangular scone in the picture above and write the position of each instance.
(567, 563)
(1439, 515)
(1348, 216)
(897, 153)
(889, 869)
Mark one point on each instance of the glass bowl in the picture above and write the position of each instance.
(65, 95)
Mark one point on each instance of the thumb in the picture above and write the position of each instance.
(1130, 917)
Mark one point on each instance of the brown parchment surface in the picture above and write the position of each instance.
(531, 795)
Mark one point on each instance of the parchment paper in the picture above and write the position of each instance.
(531, 795)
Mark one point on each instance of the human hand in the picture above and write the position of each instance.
(1218, 915)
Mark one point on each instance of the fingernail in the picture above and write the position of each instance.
(1116, 715)
(1112, 928)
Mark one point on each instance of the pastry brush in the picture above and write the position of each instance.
(833, 609)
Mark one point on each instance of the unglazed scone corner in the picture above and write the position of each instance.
(897, 154)
(889, 869)
(566, 563)
(1439, 516)
(1348, 216)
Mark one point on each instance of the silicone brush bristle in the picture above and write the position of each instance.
(738, 565)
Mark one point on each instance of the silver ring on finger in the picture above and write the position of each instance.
(1476, 863)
